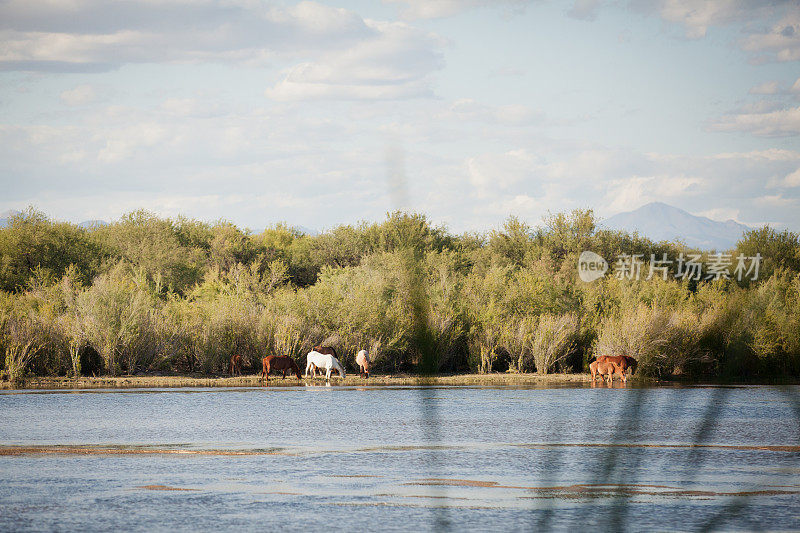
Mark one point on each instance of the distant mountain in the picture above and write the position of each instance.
(308, 231)
(6, 216)
(89, 224)
(659, 222)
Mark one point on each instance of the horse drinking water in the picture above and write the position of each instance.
(279, 362)
(315, 360)
(362, 359)
(623, 361)
(608, 369)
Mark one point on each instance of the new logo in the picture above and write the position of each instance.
(591, 266)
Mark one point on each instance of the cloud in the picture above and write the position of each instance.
(779, 43)
(80, 95)
(584, 9)
(793, 179)
(762, 120)
(341, 55)
(614, 180)
(772, 29)
(769, 87)
(432, 9)
(322, 163)
(467, 109)
(490, 173)
(94, 35)
(394, 63)
(776, 88)
(697, 17)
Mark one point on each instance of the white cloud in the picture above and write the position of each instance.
(491, 173)
(584, 9)
(720, 213)
(393, 64)
(793, 179)
(774, 200)
(697, 17)
(762, 121)
(80, 95)
(431, 9)
(769, 87)
(467, 109)
(779, 43)
(98, 35)
(343, 56)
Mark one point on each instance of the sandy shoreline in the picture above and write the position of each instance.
(106, 382)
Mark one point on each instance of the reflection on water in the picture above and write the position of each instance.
(358, 457)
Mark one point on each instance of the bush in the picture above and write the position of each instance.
(554, 339)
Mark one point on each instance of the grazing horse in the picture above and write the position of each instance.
(330, 350)
(279, 362)
(315, 360)
(624, 361)
(362, 359)
(608, 369)
(235, 367)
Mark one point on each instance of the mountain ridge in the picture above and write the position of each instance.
(661, 222)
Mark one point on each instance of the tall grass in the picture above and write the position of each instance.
(554, 339)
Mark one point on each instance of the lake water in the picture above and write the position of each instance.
(401, 458)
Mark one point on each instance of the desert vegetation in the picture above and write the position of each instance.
(146, 294)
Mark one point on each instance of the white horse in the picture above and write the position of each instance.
(316, 360)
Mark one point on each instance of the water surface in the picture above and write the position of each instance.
(401, 458)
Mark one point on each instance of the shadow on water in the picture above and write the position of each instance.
(618, 474)
(422, 338)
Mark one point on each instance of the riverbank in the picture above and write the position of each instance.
(155, 381)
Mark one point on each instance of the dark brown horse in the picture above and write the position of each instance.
(624, 361)
(235, 367)
(328, 350)
(279, 362)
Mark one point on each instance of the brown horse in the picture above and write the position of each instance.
(624, 361)
(279, 362)
(608, 369)
(328, 350)
(235, 366)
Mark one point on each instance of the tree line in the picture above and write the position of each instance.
(148, 294)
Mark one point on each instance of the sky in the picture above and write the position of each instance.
(321, 113)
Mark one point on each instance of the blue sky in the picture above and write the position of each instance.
(317, 113)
